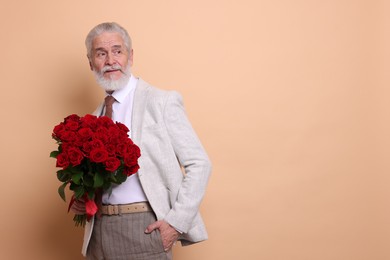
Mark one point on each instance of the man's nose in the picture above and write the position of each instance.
(110, 59)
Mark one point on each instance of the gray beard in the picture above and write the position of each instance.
(110, 84)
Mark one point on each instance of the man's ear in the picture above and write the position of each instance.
(131, 57)
(90, 63)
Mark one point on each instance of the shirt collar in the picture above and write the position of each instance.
(121, 94)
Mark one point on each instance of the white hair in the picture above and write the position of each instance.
(107, 27)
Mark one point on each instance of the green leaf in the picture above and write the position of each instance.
(61, 190)
(79, 192)
(63, 175)
(91, 194)
(88, 180)
(76, 176)
(109, 190)
(54, 154)
(107, 186)
(120, 177)
(112, 178)
(98, 180)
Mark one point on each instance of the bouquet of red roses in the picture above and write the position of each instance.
(94, 153)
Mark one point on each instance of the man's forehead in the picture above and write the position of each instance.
(108, 40)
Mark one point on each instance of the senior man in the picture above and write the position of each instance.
(143, 217)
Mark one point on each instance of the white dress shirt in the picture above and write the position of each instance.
(131, 190)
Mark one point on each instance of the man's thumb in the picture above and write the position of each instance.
(152, 227)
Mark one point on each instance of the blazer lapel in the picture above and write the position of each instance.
(139, 104)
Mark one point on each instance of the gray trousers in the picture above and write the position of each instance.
(122, 237)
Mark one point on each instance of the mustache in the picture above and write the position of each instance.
(113, 67)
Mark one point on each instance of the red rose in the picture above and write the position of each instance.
(98, 155)
(104, 121)
(90, 208)
(79, 142)
(72, 117)
(112, 164)
(62, 160)
(75, 156)
(133, 149)
(72, 125)
(130, 160)
(58, 130)
(122, 127)
(89, 121)
(68, 136)
(114, 139)
(65, 147)
(102, 130)
(87, 148)
(131, 156)
(124, 137)
(131, 170)
(111, 149)
(113, 130)
(85, 134)
(101, 134)
(97, 143)
(121, 149)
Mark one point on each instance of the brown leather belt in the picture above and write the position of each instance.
(125, 208)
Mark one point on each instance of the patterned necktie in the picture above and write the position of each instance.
(109, 100)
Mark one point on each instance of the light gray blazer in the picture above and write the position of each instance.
(174, 167)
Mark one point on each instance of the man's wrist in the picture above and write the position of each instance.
(178, 230)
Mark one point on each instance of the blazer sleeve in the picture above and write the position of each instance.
(192, 157)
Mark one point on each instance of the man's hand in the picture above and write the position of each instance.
(78, 207)
(168, 234)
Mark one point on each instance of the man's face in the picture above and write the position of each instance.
(109, 56)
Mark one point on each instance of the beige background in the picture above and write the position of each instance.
(290, 99)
